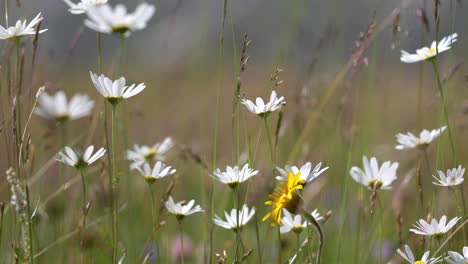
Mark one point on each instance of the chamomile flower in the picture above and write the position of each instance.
(294, 223)
(263, 109)
(182, 209)
(140, 154)
(160, 170)
(115, 91)
(453, 178)
(70, 157)
(373, 176)
(106, 19)
(435, 229)
(410, 141)
(233, 176)
(21, 28)
(426, 53)
(457, 258)
(409, 256)
(83, 5)
(236, 219)
(55, 107)
(306, 174)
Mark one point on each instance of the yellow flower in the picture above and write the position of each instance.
(284, 196)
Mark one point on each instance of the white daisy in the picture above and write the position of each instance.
(457, 258)
(83, 5)
(106, 19)
(232, 219)
(182, 209)
(21, 29)
(233, 177)
(140, 154)
(374, 177)
(306, 174)
(115, 91)
(435, 229)
(409, 141)
(55, 107)
(409, 256)
(78, 161)
(160, 170)
(294, 223)
(260, 108)
(426, 53)
(454, 177)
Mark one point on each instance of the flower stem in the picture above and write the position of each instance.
(182, 250)
(270, 144)
(83, 185)
(18, 92)
(153, 216)
(279, 244)
(236, 200)
(114, 188)
(99, 47)
(298, 244)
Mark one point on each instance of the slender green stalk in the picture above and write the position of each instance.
(114, 188)
(298, 244)
(235, 192)
(99, 47)
(279, 244)
(257, 234)
(122, 53)
(182, 250)
(153, 215)
(83, 189)
(18, 91)
(30, 229)
(270, 144)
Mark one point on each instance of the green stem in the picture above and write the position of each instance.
(279, 244)
(114, 188)
(298, 244)
(270, 144)
(321, 237)
(153, 216)
(182, 250)
(99, 58)
(83, 185)
(18, 92)
(30, 231)
(236, 200)
(122, 53)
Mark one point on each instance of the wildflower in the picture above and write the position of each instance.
(233, 177)
(457, 258)
(435, 229)
(21, 29)
(80, 162)
(409, 256)
(235, 220)
(55, 107)
(83, 5)
(409, 141)
(372, 176)
(115, 91)
(294, 222)
(142, 154)
(261, 109)
(182, 209)
(160, 170)
(426, 53)
(106, 19)
(306, 175)
(454, 177)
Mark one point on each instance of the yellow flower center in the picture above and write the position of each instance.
(420, 262)
(120, 28)
(152, 152)
(375, 184)
(429, 54)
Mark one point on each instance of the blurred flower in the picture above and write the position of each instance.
(115, 91)
(55, 107)
(260, 108)
(140, 154)
(234, 218)
(160, 170)
(21, 29)
(374, 177)
(177, 250)
(409, 256)
(426, 53)
(104, 19)
(306, 175)
(180, 210)
(454, 177)
(409, 141)
(435, 229)
(457, 258)
(80, 162)
(83, 5)
(233, 177)
(294, 222)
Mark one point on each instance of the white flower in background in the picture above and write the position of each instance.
(182, 209)
(55, 107)
(457, 258)
(140, 154)
(233, 177)
(115, 91)
(73, 159)
(426, 53)
(160, 170)
(435, 229)
(21, 28)
(83, 5)
(409, 256)
(374, 177)
(453, 178)
(243, 217)
(409, 141)
(294, 223)
(263, 109)
(306, 174)
(106, 19)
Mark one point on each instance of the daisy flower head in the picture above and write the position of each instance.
(182, 209)
(141, 154)
(83, 6)
(290, 222)
(457, 258)
(307, 173)
(410, 141)
(263, 109)
(106, 19)
(453, 177)
(160, 170)
(425, 259)
(426, 53)
(236, 219)
(436, 228)
(21, 28)
(115, 91)
(56, 107)
(74, 159)
(373, 176)
(233, 176)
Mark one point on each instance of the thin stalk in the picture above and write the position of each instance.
(83, 189)
(272, 153)
(153, 215)
(298, 244)
(122, 53)
(235, 192)
(259, 247)
(18, 90)
(30, 231)
(321, 237)
(114, 188)
(279, 244)
(99, 47)
(181, 233)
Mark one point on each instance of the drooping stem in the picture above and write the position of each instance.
(314, 222)
(114, 188)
